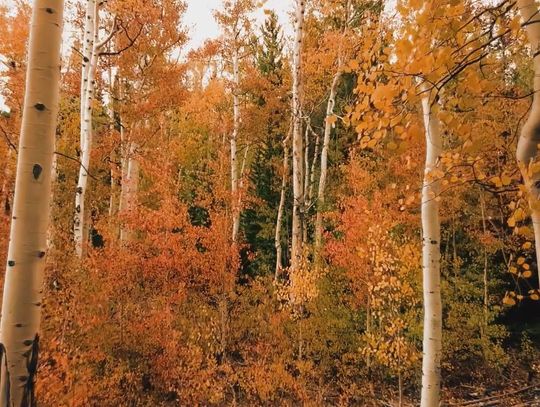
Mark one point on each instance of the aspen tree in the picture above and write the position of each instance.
(23, 291)
(431, 255)
(88, 86)
(328, 125)
(321, 197)
(297, 142)
(235, 23)
(91, 26)
(281, 207)
(234, 147)
(529, 140)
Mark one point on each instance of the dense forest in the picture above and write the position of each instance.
(343, 210)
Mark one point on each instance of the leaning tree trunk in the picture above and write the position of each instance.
(527, 150)
(281, 207)
(431, 255)
(23, 286)
(297, 142)
(87, 99)
(324, 162)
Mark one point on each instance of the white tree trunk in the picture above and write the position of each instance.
(313, 166)
(431, 255)
(297, 142)
(23, 285)
(86, 51)
(279, 220)
(527, 150)
(307, 167)
(324, 160)
(234, 148)
(307, 173)
(86, 130)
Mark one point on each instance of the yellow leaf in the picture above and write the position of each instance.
(509, 301)
(506, 180)
(331, 119)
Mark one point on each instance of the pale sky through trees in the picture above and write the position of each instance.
(203, 26)
(200, 20)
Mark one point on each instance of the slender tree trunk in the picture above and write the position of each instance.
(234, 148)
(297, 142)
(306, 182)
(527, 150)
(431, 256)
(313, 166)
(321, 196)
(110, 111)
(79, 226)
(23, 285)
(279, 220)
(307, 167)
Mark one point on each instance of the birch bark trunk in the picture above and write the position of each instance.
(88, 86)
(23, 286)
(431, 255)
(234, 148)
(527, 150)
(297, 142)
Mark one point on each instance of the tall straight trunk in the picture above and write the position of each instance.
(111, 113)
(283, 194)
(306, 181)
(431, 256)
(79, 226)
(321, 196)
(87, 46)
(23, 285)
(297, 143)
(527, 149)
(234, 148)
(307, 166)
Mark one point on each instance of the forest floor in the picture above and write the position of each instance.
(516, 395)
